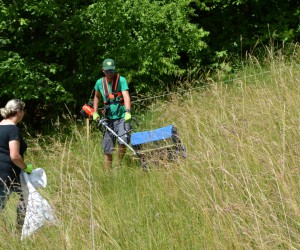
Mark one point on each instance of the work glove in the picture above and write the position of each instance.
(96, 116)
(28, 169)
(127, 117)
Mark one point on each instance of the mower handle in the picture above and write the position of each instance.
(102, 121)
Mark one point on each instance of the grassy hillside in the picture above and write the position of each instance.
(237, 189)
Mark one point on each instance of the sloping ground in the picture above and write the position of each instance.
(237, 189)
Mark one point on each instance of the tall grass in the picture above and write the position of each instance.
(237, 189)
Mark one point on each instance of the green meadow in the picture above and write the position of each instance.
(238, 188)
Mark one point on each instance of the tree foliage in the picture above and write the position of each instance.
(239, 26)
(28, 66)
(147, 38)
(51, 51)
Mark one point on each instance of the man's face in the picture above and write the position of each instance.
(109, 73)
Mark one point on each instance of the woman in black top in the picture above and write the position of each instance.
(12, 149)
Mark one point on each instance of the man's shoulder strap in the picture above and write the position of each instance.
(114, 86)
(105, 87)
(115, 83)
(107, 95)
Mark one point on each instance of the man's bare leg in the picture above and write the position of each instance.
(121, 153)
(107, 162)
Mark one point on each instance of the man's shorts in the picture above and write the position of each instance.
(122, 129)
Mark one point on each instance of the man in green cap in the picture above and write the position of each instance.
(114, 92)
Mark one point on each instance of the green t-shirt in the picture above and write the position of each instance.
(116, 111)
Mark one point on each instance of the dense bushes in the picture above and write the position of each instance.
(51, 51)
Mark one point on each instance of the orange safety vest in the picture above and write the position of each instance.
(115, 96)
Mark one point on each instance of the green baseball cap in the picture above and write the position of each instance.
(108, 64)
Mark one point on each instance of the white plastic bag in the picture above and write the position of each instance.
(38, 210)
(38, 178)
